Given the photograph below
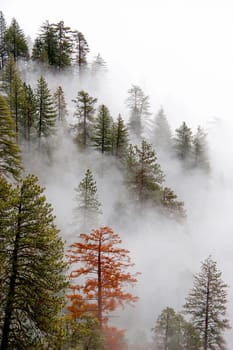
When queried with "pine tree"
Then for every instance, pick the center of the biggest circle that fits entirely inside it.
(32, 267)
(206, 305)
(102, 131)
(173, 207)
(28, 112)
(3, 53)
(84, 111)
(98, 65)
(161, 135)
(10, 159)
(144, 176)
(60, 104)
(15, 41)
(81, 49)
(45, 48)
(9, 71)
(46, 114)
(183, 143)
(88, 206)
(200, 151)
(173, 332)
(64, 44)
(138, 105)
(120, 138)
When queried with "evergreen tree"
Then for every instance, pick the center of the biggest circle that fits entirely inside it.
(14, 98)
(183, 143)
(81, 50)
(200, 152)
(28, 112)
(10, 160)
(45, 48)
(15, 41)
(102, 131)
(173, 207)
(88, 206)
(161, 135)
(144, 176)
(98, 65)
(32, 268)
(173, 332)
(3, 53)
(64, 44)
(206, 304)
(84, 111)
(138, 105)
(120, 138)
(60, 104)
(46, 114)
(9, 72)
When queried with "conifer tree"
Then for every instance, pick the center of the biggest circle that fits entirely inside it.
(88, 206)
(183, 143)
(173, 332)
(45, 48)
(98, 65)
(161, 135)
(10, 159)
(144, 176)
(64, 44)
(32, 268)
(3, 53)
(138, 104)
(28, 112)
(81, 49)
(84, 111)
(60, 104)
(15, 41)
(102, 131)
(120, 138)
(206, 305)
(174, 208)
(9, 71)
(200, 151)
(46, 114)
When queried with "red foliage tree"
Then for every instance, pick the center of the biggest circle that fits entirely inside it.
(115, 338)
(100, 274)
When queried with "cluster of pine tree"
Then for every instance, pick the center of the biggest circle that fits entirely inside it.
(33, 274)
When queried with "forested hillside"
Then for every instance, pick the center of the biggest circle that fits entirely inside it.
(101, 211)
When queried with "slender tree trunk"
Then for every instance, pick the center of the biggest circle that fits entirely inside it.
(11, 292)
(99, 285)
(207, 313)
(166, 333)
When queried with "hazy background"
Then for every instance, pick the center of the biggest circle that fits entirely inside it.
(181, 54)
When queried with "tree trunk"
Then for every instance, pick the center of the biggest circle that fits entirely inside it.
(11, 292)
(99, 285)
(207, 313)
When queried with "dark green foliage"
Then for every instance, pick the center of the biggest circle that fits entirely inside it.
(138, 105)
(120, 138)
(28, 113)
(206, 305)
(102, 131)
(64, 44)
(10, 160)
(15, 41)
(88, 206)
(173, 332)
(84, 111)
(9, 71)
(81, 49)
(183, 144)
(144, 176)
(173, 207)
(46, 114)
(32, 268)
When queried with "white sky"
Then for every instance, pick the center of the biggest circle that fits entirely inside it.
(179, 51)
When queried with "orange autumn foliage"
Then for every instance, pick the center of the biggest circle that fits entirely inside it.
(115, 338)
(100, 274)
